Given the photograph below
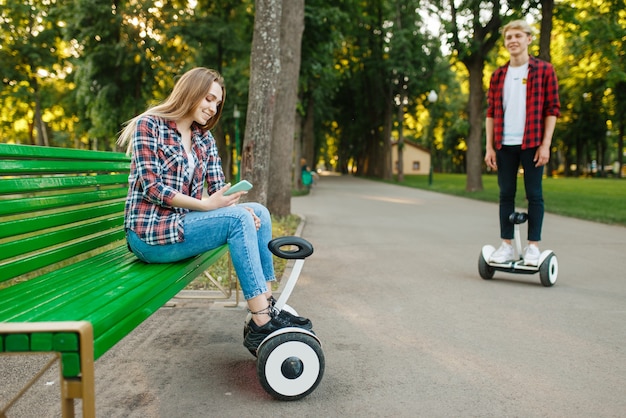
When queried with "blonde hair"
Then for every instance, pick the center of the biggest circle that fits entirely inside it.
(519, 24)
(186, 95)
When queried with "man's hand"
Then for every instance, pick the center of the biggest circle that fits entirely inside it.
(490, 158)
(542, 156)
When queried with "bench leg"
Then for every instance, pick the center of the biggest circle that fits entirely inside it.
(82, 387)
(88, 392)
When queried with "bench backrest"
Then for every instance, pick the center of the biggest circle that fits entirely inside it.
(57, 203)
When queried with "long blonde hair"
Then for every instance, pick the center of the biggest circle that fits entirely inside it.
(186, 95)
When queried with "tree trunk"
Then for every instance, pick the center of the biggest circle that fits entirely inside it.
(620, 150)
(474, 158)
(224, 150)
(297, 152)
(264, 71)
(400, 145)
(308, 134)
(387, 128)
(40, 126)
(292, 27)
(547, 10)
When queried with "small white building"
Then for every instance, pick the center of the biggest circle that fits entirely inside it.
(416, 158)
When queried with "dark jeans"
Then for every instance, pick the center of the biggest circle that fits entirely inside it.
(509, 159)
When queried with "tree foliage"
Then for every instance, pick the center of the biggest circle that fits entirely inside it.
(74, 72)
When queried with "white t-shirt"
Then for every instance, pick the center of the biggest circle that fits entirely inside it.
(191, 157)
(192, 162)
(514, 101)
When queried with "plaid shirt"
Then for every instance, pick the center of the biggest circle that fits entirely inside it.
(542, 100)
(159, 170)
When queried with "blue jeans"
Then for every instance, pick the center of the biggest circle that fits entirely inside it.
(508, 159)
(205, 231)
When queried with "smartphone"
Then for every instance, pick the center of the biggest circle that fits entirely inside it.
(242, 186)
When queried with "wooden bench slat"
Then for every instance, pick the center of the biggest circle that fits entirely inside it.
(102, 281)
(59, 237)
(107, 339)
(33, 204)
(46, 221)
(28, 264)
(40, 290)
(97, 280)
(33, 151)
(37, 167)
(25, 185)
(112, 304)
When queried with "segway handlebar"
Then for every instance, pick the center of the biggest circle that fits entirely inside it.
(304, 247)
(518, 217)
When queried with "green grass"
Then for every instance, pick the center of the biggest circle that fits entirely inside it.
(594, 199)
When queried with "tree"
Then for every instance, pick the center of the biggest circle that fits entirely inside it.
(473, 31)
(264, 72)
(320, 75)
(32, 58)
(545, 33)
(282, 158)
(592, 76)
(412, 63)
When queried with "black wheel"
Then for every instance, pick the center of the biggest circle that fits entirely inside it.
(548, 270)
(290, 365)
(484, 269)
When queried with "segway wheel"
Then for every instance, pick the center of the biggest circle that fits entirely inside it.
(290, 365)
(484, 269)
(548, 271)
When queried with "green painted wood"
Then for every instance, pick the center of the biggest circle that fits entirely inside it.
(41, 341)
(71, 364)
(28, 204)
(58, 237)
(107, 338)
(27, 225)
(32, 151)
(45, 258)
(25, 185)
(56, 204)
(35, 167)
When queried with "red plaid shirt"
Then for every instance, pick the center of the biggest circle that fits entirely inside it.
(542, 100)
(159, 170)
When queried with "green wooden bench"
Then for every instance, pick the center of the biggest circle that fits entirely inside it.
(68, 283)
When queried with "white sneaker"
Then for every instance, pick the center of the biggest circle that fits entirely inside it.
(531, 255)
(503, 254)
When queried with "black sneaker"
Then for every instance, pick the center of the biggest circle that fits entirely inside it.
(294, 320)
(256, 334)
(285, 315)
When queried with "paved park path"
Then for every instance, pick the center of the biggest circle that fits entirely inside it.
(409, 329)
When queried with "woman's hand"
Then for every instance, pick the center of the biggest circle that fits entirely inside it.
(215, 201)
(257, 220)
(218, 200)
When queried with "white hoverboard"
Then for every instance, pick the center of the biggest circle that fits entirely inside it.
(548, 266)
(290, 361)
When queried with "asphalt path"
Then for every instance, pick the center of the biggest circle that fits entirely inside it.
(409, 329)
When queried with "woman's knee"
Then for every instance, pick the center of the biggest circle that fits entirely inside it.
(261, 211)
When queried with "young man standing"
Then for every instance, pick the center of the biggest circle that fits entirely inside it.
(523, 105)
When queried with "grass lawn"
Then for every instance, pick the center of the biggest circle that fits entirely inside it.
(595, 199)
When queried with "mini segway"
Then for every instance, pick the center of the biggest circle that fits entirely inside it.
(548, 266)
(290, 361)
